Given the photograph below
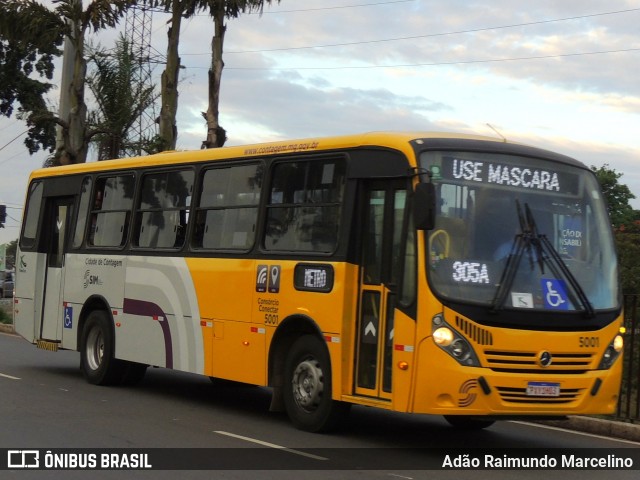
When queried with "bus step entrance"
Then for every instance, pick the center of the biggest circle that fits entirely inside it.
(48, 345)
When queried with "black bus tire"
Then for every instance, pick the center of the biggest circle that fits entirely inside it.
(468, 422)
(133, 373)
(97, 350)
(307, 388)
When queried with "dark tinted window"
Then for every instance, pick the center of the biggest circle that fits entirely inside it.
(163, 211)
(305, 205)
(111, 211)
(85, 203)
(32, 215)
(227, 214)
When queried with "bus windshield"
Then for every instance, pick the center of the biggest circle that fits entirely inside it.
(517, 232)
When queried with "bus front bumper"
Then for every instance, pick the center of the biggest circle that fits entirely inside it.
(451, 389)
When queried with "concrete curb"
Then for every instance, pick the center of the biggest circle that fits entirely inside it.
(598, 426)
(4, 328)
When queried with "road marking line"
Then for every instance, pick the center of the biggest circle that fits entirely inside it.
(586, 434)
(9, 377)
(271, 445)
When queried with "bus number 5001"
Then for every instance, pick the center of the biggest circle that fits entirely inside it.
(586, 342)
(270, 319)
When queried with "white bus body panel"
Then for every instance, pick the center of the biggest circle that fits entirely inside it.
(153, 305)
(30, 277)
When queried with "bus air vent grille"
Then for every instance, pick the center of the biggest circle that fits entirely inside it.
(527, 362)
(474, 332)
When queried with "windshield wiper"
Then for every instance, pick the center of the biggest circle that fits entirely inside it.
(557, 263)
(536, 243)
(535, 237)
(521, 242)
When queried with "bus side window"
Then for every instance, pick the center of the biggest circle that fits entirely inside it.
(304, 206)
(111, 213)
(163, 209)
(227, 214)
(81, 222)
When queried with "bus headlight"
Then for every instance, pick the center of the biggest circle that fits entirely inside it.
(611, 353)
(443, 336)
(618, 343)
(453, 343)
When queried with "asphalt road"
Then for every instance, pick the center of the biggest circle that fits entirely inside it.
(46, 404)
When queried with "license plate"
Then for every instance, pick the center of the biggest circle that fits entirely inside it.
(543, 389)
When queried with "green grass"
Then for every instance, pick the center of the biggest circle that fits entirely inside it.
(5, 317)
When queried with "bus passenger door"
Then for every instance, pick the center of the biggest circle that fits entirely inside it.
(56, 225)
(381, 231)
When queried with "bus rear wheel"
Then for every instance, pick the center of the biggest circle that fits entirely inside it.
(307, 391)
(97, 350)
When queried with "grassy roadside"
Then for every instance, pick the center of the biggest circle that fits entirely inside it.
(5, 313)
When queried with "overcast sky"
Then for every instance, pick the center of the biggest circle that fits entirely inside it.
(557, 74)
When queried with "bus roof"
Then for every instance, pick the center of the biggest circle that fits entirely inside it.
(396, 140)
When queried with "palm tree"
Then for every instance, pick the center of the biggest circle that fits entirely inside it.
(120, 101)
(168, 130)
(73, 21)
(219, 11)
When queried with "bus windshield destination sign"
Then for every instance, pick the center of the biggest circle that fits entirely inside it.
(506, 175)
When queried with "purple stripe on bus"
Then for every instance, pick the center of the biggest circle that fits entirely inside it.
(148, 309)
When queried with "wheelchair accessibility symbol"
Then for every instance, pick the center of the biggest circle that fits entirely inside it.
(68, 317)
(555, 294)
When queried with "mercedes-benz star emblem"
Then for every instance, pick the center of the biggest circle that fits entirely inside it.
(545, 358)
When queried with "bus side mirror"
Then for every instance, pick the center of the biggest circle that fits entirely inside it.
(424, 206)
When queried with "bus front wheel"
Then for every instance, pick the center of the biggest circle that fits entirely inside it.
(307, 391)
(97, 349)
(468, 422)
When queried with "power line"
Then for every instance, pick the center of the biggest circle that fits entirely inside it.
(17, 154)
(429, 35)
(334, 8)
(14, 219)
(438, 64)
(303, 10)
(13, 140)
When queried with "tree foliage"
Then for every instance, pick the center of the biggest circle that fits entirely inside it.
(617, 196)
(31, 36)
(26, 27)
(628, 246)
(120, 101)
(30, 40)
(219, 10)
(626, 223)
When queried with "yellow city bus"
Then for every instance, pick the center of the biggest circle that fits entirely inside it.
(415, 272)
